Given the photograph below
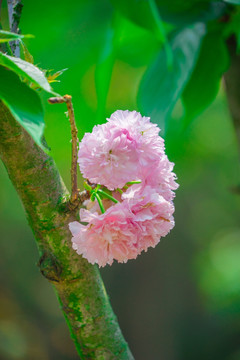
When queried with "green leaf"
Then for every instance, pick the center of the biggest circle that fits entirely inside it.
(162, 86)
(24, 104)
(181, 13)
(235, 2)
(136, 45)
(6, 36)
(138, 11)
(233, 27)
(26, 70)
(160, 31)
(203, 85)
(146, 14)
(104, 69)
(177, 12)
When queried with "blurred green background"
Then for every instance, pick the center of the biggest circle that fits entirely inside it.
(178, 301)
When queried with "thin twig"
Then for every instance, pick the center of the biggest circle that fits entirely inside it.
(17, 11)
(10, 13)
(14, 15)
(68, 100)
(74, 132)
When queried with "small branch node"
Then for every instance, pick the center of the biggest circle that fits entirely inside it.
(56, 100)
(84, 195)
(49, 267)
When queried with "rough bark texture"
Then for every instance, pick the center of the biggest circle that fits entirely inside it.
(14, 15)
(232, 83)
(78, 284)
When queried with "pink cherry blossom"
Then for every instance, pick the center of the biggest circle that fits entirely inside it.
(149, 145)
(160, 176)
(125, 229)
(112, 235)
(152, 212)
(107, 156)
(117, 151)
(126, 148)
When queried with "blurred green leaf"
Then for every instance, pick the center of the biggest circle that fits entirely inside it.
(136, 45)
(181, 13)
(233, 27)
(203, 85)
(176, 12)
(200, 12)
(104, 69)
(26, 70)
(235, 2)
(24, 104)
(161, 87)
(122, 39)
(145, 14)
(6, 36)
(161, 33)
(138, 11)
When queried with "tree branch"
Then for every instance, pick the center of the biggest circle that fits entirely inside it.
(14, 15)
(74, 200)
(10, 13)
(78, 284)
(74, 132)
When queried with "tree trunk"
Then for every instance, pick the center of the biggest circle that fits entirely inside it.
(78, 284)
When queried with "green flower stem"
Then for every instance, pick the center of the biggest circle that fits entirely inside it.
(133, 182)
(102, 192)
(87, 187)
(83, 299)
(119, 190)
(99, 202)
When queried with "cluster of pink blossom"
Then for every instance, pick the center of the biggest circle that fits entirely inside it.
(133, 209)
